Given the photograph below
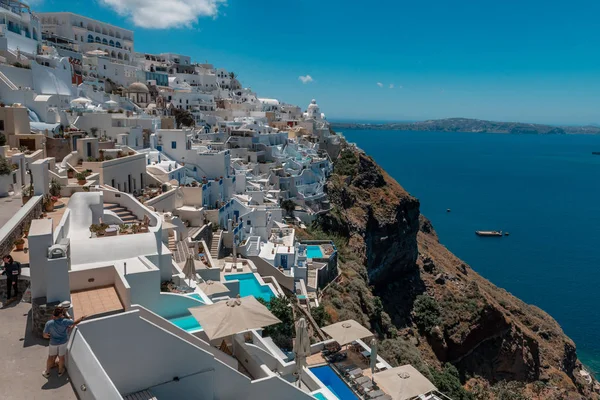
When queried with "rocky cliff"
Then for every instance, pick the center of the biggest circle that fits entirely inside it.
(428, 307)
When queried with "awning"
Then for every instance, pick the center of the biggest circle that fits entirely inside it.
(347, 331)
(229, 317)
(403, 383)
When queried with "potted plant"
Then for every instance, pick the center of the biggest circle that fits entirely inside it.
(123, 229)
(19, 244)
(48, 204)
(26, 229)
(55, 188)
(27, 193)
(70, 173)
(81, 178)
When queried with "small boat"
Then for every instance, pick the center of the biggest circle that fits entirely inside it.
(488, 233)
(506, 233)
(596, 153)
(448, 210)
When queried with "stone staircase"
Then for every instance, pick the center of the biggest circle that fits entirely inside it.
(172, 244)
(312, 279)
(122, 212)
(214, 246)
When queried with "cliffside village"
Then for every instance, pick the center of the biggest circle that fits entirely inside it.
(160, 199)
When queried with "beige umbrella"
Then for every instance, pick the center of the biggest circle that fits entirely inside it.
(189, 269)
(301, 347)
(403, 383)
(347, 331)
(211, 287)
(81, 100)
(227, 318)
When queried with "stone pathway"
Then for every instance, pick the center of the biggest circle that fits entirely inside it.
(23, 358)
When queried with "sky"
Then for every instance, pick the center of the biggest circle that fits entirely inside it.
(397, 60)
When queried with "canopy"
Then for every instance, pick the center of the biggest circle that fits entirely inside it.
(81, 100)
(403, 383)
(227, 318)
(301, 347)
(97, 53)
(347, 331)
(189, 269)
(211, 287)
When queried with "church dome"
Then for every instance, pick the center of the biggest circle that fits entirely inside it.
(138, 87)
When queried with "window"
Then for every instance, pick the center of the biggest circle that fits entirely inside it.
(173, 145)
(104, 66)
(90, 39)
(1, 124)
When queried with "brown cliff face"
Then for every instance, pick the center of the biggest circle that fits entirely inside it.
(392, 259)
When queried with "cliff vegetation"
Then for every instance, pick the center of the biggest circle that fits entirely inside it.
(472, 339)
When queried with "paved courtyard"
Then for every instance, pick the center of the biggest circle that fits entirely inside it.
(23, 357)
(9, 207)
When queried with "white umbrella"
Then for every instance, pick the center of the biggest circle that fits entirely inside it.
(97, 53)
(373, 357)
(81, 100)
(111, 103)
(301, 347)
(189, 269)
(227, 318)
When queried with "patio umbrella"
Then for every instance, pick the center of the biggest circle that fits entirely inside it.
(97, 53)
(373, 357)
(81, 100)
(347, 331)
(189, 269)
(301, 347)
(211, 287)
(111, 103)
(227, 318)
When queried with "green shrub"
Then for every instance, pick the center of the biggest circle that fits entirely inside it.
(5, 166)
(346, 163)
(426, 313)
(55, 187)
(448, 382)
(282, 333)
(81, 176)
(400, 351)
(2, 139)
(319, 315)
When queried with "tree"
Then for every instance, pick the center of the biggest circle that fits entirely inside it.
(2, 139)
(183, 117)
(288, 206)
(281, 333)
(320, 315)
(94, 131)
(427, 313)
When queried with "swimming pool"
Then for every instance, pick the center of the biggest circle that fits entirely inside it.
(196, 296)
(333, 382)
(314, 252)
(319, 396)
(249, 286)
(186, 322)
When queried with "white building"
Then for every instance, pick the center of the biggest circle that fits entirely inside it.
(90, 34)
(20, 30)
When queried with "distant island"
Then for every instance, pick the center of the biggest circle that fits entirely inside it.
(472, 125)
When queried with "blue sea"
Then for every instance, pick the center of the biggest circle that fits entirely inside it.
(544, 190)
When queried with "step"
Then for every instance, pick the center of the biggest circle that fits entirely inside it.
(122, 212)
(111, 205)
(130, 218)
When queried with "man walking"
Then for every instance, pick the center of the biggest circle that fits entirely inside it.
(57, 330)
(12, 270)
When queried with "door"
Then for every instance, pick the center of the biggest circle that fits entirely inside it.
(89, 149)
(28, 143)
(284, 261)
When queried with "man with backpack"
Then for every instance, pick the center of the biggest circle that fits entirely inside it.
(12, 270)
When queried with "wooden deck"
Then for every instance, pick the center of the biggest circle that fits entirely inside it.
(96, 301)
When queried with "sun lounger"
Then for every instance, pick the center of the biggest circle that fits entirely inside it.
(348, 368)
(366, 387)
(239, 268)
(365, 353)
(383, 397)
(362, 379)
(376, 393)
(228, 267)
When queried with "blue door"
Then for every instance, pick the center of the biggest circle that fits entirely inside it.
(284, 261)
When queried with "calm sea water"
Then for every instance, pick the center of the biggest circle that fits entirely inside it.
(544, 190)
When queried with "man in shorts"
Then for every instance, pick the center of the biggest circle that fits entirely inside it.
(57, 330)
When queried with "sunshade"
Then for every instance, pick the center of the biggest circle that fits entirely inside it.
(189, 269)
(81, 100)
(301, 347)
(373, 356)
(347, 331)
(227, 318)
(211, 287)
(97, 53)
(403, 383)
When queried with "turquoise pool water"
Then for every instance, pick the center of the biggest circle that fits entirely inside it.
(333, 382)
(196, 296)
(186, 322)
(314, 252)
(249, 286)
(319, 396)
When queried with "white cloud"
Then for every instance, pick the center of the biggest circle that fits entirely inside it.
(379, 84)
(161, 14)
(306, 79)
(391, 85)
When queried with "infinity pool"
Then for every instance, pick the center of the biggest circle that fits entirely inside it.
(333, 382)
(186, 322)
(249, 286)
(314, 252)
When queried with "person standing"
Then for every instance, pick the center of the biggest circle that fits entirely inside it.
(57, 330)
(12, 270)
